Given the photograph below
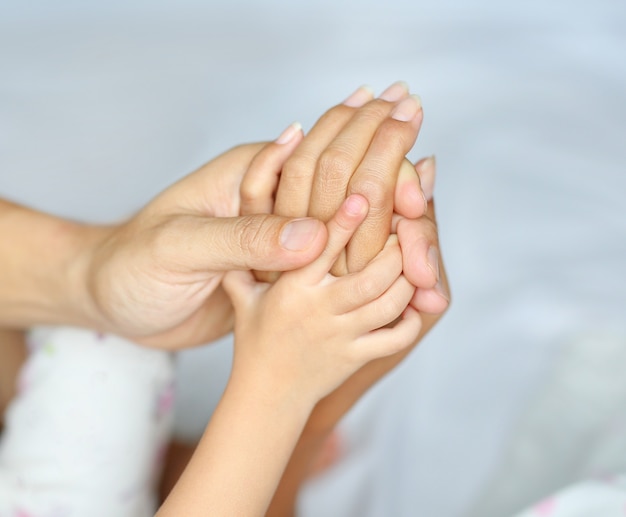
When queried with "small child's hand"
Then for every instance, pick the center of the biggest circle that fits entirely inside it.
(311, 330)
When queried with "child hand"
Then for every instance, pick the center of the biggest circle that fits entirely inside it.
(311, 330)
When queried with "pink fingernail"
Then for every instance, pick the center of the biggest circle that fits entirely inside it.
(397, 91)
(288, 134)
(434, 263)
(355, 205)
(441, 288)
(432, 259)
(299, 234)
(360, 97)
(407, 109)
(427, 172)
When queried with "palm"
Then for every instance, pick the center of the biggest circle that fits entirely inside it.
(150, 278)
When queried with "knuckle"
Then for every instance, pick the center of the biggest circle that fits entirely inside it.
(337, 114)
(248, 190)
(366, 288)
(391, 308)
(375, 189)
(375, 110)
(397, 140)
(298, 166)
(254, 190)
(252, 234)
(336, 165)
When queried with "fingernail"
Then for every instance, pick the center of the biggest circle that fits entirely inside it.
(355, 205)
(288, 134)
(299, 234)
(425, 200)
(441, 288)
(397, 91)
(407, 109)
(432, 260)
(427, 172)
(360, 97)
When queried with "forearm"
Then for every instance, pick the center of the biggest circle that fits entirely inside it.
(43, 262)
(240, 459)
(325, 417)
(13, 353)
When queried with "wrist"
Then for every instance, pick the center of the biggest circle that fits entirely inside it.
(43, 268)
(270, 389)
(83, 244)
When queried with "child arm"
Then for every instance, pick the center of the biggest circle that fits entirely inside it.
(295, 341)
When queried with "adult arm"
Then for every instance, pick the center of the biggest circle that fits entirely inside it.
(154, 278)
(13, 351)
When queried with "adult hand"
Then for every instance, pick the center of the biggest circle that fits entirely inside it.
(156, 278)
(359, 147)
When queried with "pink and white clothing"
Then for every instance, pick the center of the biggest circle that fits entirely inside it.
(89, 428)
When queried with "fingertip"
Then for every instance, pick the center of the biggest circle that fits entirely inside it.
(293, 130)
(426, 170)
(430, 301)
(356, 205)
(410, 201)
(395, 92)
(360, 97)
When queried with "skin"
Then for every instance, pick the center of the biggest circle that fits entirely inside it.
(331, 409)
(416, 235)
(13, 355)
(154, 279)
(295, 341)
(133, 280)
(412, 218)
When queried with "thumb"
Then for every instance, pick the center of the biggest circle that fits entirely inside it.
(262, 242)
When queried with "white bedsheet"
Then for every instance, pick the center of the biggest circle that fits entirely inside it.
(103, 104)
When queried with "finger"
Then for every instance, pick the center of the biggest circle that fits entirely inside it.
(432, 301)
(340, 228)
(355, 290)
(294, 190)
(292, 196)
(387, 307)
(342, 156)
(240, 287)
(196, 244)
(409, 199)
(259, 184)
(437, 299)
(427, 170)
(196, 192)
(389, 341)
(420, 251)
(376, 178)
(419, 238)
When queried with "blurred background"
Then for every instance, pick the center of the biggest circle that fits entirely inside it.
(520, 390)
